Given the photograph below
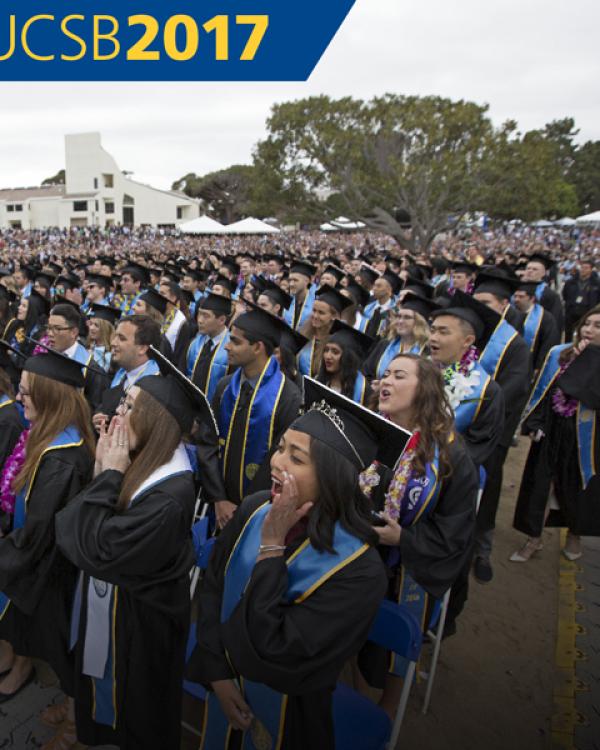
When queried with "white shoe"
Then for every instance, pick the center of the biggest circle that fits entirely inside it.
(572, 556)
(572, 549)
(529, 549)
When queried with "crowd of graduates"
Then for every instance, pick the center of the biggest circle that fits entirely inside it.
(340, 409)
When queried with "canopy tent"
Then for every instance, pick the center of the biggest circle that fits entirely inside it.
(202, 225)
(542, 223)
(593, 218)
(251, 226)
(566, 221)
(342, 224)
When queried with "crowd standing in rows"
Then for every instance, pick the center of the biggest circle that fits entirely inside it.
(342, 407)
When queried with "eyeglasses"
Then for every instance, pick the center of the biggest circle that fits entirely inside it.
(23, 393)
(58, 329)
(399, 316)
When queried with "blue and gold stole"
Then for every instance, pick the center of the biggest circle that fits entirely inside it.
(217, 367)
(126, 303)
(360, 388)
(532, 324)
(308, 569)
(493, 354)
(83, 357)
(368, 313)
(392, 350)
(539, 290)
(306, 357)
(586, 443)
(468, 409)
(102, 357)
(69, 438)
(545, 380)
(151, 368)
(258, 431)
(305, 311)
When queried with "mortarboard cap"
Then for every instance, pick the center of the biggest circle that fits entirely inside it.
(104, 312)
(260, 324)
(347, 337)
(335, 271)
(496, 281)
(542, 258)
(303, 267)
(417, 286)
(332, 297)
(152, 298)
(274, 292)
(580, 380)
(463, 266)
(137, 271)
(217, 303)
(359, 293)
(40, 302)
(225, 283)
(419, 304)
(55, 366)
(483, 319)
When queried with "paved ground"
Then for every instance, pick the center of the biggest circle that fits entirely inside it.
(522, 673)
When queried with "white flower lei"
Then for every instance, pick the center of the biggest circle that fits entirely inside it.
(460, 386)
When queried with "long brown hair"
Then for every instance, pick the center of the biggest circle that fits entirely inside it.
(569, 353)
(57, 407)
(157, 433)
(433, 415)
(6, 387)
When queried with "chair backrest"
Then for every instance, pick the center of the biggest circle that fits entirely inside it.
(398, 630)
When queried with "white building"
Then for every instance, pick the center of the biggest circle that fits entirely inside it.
(96, 193)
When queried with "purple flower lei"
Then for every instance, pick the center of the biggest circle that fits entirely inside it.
(563, 405)
(11, 468)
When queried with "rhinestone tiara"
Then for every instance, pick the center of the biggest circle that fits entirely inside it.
(329, 412)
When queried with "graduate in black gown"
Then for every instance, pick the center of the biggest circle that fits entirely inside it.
(427, 504)
(272, 637)
(36, 581)
(11, 420)
(129, 532)
(253, 408)
(539, 328)
(561, 420)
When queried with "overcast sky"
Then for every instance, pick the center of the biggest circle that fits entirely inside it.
(531, 60)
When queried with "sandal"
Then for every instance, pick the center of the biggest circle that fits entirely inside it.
(572, 549)
(65, 739)
(55, 714)
(527, 551)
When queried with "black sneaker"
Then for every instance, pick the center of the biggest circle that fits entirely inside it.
(482, 570)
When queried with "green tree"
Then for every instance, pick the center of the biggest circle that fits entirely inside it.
(585, 176)
(58, 179)
(421, 156)
(225, 193)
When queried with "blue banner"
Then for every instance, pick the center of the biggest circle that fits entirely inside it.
(222, 40)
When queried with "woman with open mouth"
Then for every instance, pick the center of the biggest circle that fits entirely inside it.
(279, 613)
(344, 353)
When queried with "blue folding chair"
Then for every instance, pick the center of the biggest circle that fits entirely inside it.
(359, 723)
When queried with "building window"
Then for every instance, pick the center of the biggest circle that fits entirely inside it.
(179, 212)
(109, 180)
(95, 183)
(109, 207)
(19, 207)
(10, 208)
(80, 206)
(97, 206)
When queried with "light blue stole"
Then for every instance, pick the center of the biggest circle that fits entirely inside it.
(531, 327)
(69, 438)
(305, 312)
(102, 357)
(539, 290)
(468, 409)
(151, 368)
(586, 443)
(308, 569)
(360, 388)
(545, 380)
(497, 346)
(306, 359)
(391, 351)
(218, 362)
(258, 431)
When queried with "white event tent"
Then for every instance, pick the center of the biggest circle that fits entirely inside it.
(342, 224)
(250, 226)
(593, 218)
(202, 225)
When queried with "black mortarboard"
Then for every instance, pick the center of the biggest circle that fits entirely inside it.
(217, 303)
(8, 293)
(359, 293)
(48, 278)
(55, 268)
(106, 260)
(463, 266)
(137, 271)
(483, 319)
(370, 273)
(528, 287)
(292, 340)
(274, 292)
(194, 273)
(60, 300)
(41, 302)
(179, 396)
(154, 299)
(56, 366)
(260, 324)
(393, 280)
(542, 258)
(68, 281)
(419, 287)
(497, 282)
(104, 312)
(5, 348)
(303, 267)
(427, 270)
(231, 265)
(580, 380)
(99, 279)
(335, 271)
(351, 430)
(347, 337)
(332, 297)
(225, 282)
(419, 304)
(270, 256)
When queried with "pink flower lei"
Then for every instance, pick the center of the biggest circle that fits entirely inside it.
(11, 468)
(563, 405)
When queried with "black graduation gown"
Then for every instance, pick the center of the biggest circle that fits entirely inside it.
(214, 485)
(11, 427)
(147, 552)
(483, 434)
(35, 576)
(551, 301)
(95, 385)
(295, 649)
(184, 336)
(554, 461)
(548, 336)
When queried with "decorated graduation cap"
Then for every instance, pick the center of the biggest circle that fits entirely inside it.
(274, 292)
(332, 297)
(56, 366)
(350, 338)
(156, 300)
(419, 304)
(217, 303)
(496, 281)
(261, 325)
(542, 258)
(104, 312)
(303, 267)
(482, 318)
(580, 380)
(464, 266)
(351, 430)
(179, 396)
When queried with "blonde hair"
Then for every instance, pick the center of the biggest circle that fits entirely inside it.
(420, 330)
(106, 332)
